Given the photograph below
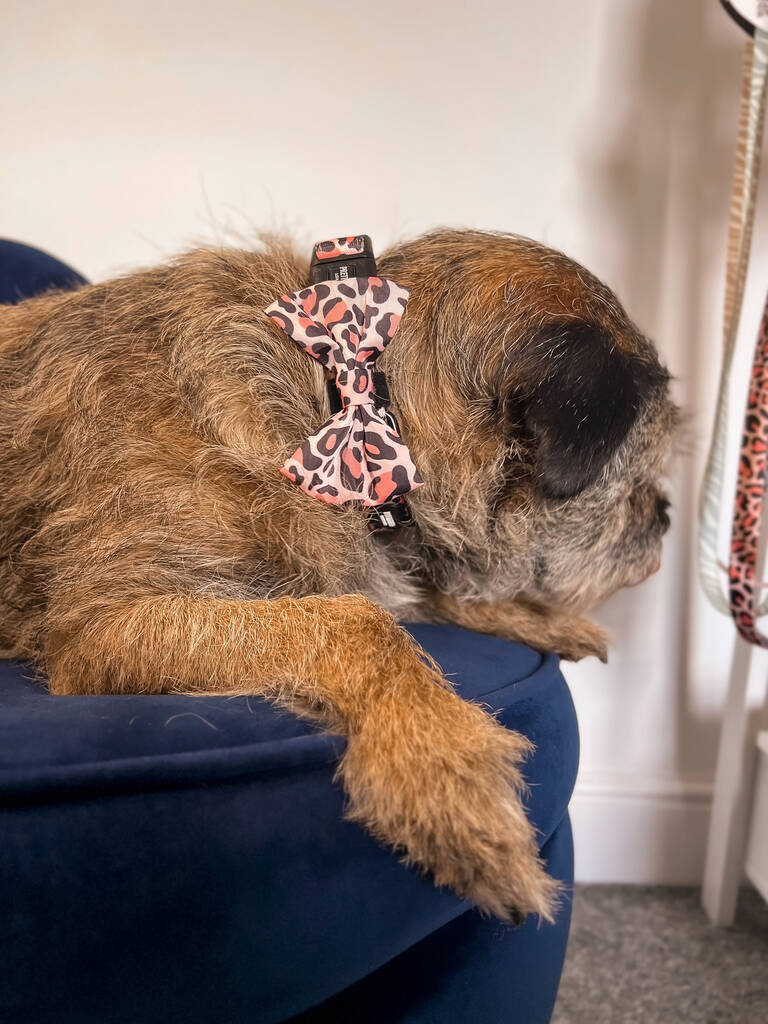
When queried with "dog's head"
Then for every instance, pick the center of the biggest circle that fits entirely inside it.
(538, 414)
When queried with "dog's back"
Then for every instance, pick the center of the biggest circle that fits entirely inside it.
(144, 413)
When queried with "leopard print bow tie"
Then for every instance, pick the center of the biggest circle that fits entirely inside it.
(356, 455)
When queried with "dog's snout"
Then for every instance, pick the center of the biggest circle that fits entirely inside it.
(662, 514)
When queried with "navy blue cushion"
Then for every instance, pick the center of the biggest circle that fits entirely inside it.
(26, 272)
(186, 858)
(169, 859)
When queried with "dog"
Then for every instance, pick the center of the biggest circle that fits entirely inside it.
(150, 543)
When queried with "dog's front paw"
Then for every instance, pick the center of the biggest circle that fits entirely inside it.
(581, 638)
(443, 785)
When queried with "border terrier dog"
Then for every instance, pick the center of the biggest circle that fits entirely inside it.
(150, 543)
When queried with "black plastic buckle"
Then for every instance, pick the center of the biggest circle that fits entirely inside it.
(340, 268)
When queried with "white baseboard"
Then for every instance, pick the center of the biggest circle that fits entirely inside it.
(640, 831)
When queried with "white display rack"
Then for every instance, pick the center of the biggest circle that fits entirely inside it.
(757, 840)
(738, 828)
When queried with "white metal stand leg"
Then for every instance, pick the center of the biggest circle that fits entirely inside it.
(734, 780)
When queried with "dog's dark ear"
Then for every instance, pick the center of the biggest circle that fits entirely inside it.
(583, 395)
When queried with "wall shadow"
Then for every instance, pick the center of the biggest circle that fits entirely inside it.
(659, 169)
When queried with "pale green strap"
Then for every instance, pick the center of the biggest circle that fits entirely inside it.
(741, 219)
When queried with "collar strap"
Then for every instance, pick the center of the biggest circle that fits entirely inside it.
(394, 513)
(345, 319)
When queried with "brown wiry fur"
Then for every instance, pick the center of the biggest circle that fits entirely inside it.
(149, 543)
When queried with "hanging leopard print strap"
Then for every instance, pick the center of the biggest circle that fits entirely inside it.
(750, 492)
(741, 217)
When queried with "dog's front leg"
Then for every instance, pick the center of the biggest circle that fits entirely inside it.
(432, 775)
(570, 636)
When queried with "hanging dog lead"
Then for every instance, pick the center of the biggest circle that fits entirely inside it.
(750, 492)
(754, 19)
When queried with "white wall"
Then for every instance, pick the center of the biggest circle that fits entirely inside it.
(606, 128)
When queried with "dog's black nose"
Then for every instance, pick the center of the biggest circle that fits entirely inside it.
(662, 504)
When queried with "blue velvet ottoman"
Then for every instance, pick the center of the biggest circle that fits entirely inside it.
(179, 859)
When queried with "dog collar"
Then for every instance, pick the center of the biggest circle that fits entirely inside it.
(345, 319)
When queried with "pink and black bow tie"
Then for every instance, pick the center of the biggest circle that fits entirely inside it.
(357, 455)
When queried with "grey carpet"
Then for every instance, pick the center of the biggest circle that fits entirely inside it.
(648, 954)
